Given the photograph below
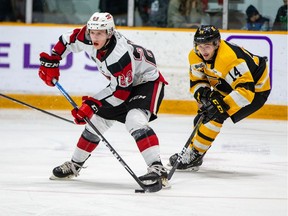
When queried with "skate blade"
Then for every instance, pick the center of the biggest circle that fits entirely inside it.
(190, 169)
(53, 177)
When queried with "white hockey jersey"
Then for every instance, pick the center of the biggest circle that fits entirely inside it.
(125, 64)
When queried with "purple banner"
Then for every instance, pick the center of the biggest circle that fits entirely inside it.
(4, 54)
(65, 64)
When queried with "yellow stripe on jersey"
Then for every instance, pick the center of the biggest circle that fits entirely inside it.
(236, 100)
(263, 83)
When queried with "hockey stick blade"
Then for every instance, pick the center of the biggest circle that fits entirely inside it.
(139, 191)
(184, 149)
(154, 187)
(150, 188)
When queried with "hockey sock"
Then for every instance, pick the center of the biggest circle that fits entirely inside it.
(148, 144)
(86, 144)
(206, 134)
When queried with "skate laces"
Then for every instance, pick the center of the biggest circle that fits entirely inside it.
(157, 168)
(69, 166)
(188, 156)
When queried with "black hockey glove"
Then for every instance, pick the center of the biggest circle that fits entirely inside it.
(202, 95)
(214, 108)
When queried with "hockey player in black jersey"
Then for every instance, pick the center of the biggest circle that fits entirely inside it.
(227, 81)
(133, 96)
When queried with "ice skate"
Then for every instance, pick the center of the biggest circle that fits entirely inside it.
(191, 160)
(67, 170)
(155, 172)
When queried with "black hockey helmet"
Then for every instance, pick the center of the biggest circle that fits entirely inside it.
(206, 34)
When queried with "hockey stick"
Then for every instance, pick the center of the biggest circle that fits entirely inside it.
(180, 155)
(154, 187)
(33, 107)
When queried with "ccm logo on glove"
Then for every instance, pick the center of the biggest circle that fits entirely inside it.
(50, 64)
(218, 105)
(49, 68)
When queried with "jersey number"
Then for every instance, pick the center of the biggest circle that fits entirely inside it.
(140, 51)
(235, 74)
(126, 80)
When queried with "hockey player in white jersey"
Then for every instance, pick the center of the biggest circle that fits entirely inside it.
(132, 97)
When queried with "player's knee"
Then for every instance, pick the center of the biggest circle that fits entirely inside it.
(142, 133)
(136, 119)
(220, 119)
(90, 136)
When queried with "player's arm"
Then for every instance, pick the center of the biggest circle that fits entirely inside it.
(199, 84)
(71, 41)
(240, 79)
(49, 63)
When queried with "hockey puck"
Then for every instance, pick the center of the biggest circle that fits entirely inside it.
(139, 191)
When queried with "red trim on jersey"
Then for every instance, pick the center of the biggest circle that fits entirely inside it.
(162, 79)
(100, 54)
(78, 33)
(81, 34)
(59, 48)
(121, 94)
(147, 142)
(154, 99)
(86, 145)
(74, 35)
(124, 71)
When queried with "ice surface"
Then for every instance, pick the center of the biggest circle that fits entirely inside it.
(243, 174)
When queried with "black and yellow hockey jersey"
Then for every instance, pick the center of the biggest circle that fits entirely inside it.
(235, 72)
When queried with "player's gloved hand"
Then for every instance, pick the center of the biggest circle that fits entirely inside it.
(215, 108)
(89, 107)
(49, 68)
(202, 95)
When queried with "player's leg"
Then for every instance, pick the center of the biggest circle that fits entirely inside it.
(147, 143)
(202, 141)
(208, 132)
(86, 144)
(142, 109)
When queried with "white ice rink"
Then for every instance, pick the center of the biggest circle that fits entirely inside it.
(243, 174)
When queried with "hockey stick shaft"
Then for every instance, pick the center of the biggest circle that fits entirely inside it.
(35, 108)
(112, 150)
(180, 155)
